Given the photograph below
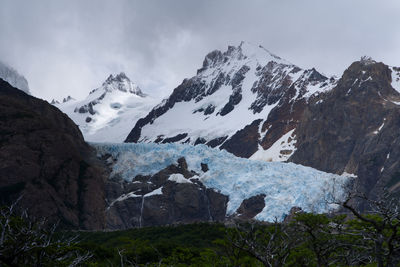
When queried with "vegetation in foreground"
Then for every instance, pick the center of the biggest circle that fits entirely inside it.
(306, 240)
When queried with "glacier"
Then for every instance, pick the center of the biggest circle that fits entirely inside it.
(285, 185)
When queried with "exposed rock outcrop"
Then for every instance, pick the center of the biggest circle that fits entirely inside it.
(355, 128)
(44, 159)
(173, 195)
(251, 207)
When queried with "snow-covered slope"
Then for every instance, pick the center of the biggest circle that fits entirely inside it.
(108, 111)
(281, 150)
(285, 185)
(11, 76)
(244, 86)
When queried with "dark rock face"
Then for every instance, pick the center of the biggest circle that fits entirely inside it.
(175, 138)
(251, 207)
(204, 167)
(244, 143)
(158, 200)
(45, 159)
(200, 141)
(355, 128)
(216, 142)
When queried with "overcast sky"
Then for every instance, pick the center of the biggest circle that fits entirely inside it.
(70, 47)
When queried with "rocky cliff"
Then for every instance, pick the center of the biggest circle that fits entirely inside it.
(355, 128)
(44, 159)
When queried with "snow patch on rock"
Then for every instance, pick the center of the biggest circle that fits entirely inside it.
(281, 150)
(179, 178)
(158, 191)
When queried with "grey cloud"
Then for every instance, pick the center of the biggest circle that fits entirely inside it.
(70, 47)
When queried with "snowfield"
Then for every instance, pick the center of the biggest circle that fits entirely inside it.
(285, 185)
(114, 117)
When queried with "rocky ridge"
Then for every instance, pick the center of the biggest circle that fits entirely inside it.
(355, 128)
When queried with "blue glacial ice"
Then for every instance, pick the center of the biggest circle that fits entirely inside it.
(285, 184)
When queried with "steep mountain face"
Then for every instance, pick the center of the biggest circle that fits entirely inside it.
(44, 159)
(355, 128)
(11, 76)
(243, 100)
(107, 113)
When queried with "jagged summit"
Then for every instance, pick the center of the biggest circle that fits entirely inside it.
(68, 98)
(245, 51)
(65, 100)
(120, 82)
(367, 60)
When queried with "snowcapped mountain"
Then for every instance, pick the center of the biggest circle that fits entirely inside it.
(245, 100)
(11, 76)
(108, 111)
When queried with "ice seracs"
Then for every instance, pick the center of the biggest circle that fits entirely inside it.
(285, 185)
(108, 111)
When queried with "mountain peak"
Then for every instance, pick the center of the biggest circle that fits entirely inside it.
(367, 60)
(65, 100)
(244, 51)
(252, 50)
(117, 78)
(122, 83)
